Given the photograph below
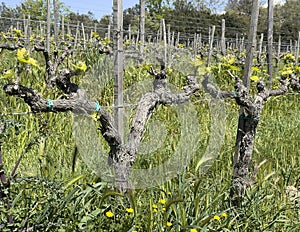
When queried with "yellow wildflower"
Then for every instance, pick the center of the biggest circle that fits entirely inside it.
(255, 69)
(193, 230)
(109, 214)
(289, 58)
(224, 215)
(169, 224)
(81, 66)
(234, 68)
(254, 78)
(129, 210)
(216, 217)
(24, 57)
(162, 201)
(287, 71)
(164, 209)
(155, 207)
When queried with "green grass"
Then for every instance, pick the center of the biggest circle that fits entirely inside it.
(57, 191)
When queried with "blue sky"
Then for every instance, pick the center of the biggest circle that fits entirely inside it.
(98, 7)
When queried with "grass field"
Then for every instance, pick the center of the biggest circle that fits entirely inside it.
(54, 190)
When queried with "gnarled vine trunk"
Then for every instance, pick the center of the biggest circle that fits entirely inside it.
(248, 121)
(121, 156)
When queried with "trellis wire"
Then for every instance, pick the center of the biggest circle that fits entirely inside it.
(30, 112)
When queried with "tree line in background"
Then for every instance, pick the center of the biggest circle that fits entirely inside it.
(187, 16)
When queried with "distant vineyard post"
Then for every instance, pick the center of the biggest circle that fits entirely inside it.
(55, 14)
(270, 40)
(118, 65)
(48, 25)
(223, 45)
(142, 27)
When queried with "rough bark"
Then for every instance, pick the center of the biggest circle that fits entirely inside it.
(11, 47)
(249, 116)
(52, 65)
(123, 157)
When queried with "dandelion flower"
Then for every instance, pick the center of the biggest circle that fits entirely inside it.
(154, 206)
(287, 71)
(254, 78)
(224, 215)
(155, 210)
(169, 224)
(129, 210)
(193, 230)
(216, 217)
(109, 214)
(289, 58)
(234, 68)
(162, 201)
(255, 69)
